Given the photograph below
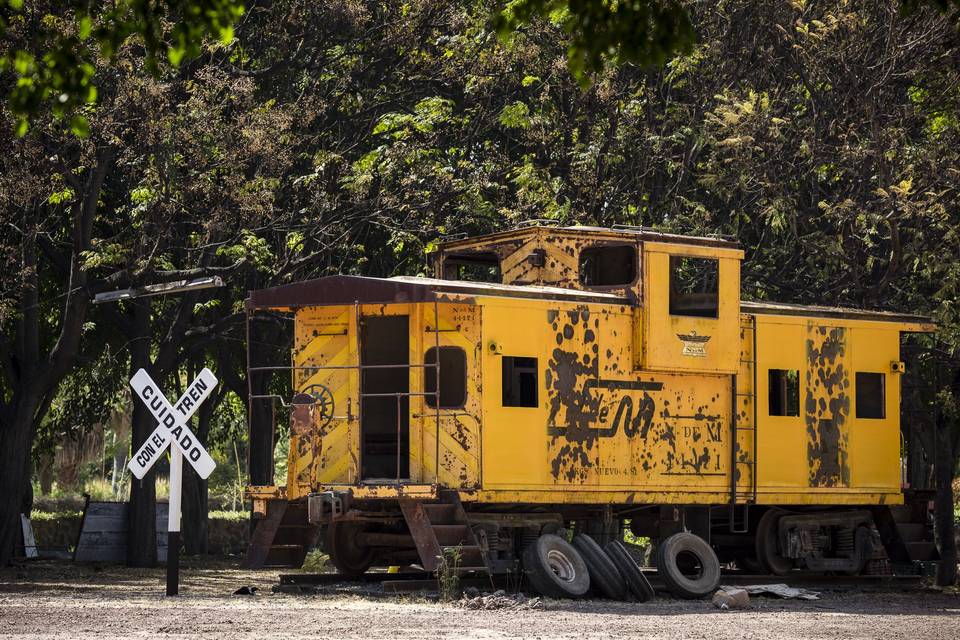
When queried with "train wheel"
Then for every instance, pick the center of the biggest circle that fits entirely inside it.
(603, 572)
(688, 565)
(768, 552)
(348, 556)
(555, 569)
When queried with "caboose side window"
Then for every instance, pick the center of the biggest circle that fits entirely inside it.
(608, 266)
(519, 381)
(453, 377)
(472, 267)
(871, 395)
(784, 392)
(694, 286)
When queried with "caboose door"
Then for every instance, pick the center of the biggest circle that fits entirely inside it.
(445, 444)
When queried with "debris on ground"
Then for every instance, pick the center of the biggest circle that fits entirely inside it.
(731, 598)
(779, 590)
(473, 599)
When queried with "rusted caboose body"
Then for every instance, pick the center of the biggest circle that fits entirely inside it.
(554, 378)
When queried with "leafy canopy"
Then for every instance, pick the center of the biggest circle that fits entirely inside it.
(59, 71)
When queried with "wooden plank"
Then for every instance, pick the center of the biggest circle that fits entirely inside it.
(103, 536)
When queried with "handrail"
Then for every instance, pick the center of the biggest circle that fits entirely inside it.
(312, 367)
(360, 368)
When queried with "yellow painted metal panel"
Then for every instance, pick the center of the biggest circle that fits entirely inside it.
(875, 443)
(459, 427)
(667, 495)
(598, 423)
(686, 343)
(781, 440)
(323, 338)
(514, 444)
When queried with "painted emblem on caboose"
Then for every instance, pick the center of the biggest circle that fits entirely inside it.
(693, 344)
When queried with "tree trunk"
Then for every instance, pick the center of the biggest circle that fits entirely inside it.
(15, 441)
(40, 373)
(142, 533)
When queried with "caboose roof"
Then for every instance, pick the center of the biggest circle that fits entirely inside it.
(333, 290)
(844, 313)
(338, 290)
(620, 232)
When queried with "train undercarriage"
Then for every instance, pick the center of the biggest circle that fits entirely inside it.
(546, 543)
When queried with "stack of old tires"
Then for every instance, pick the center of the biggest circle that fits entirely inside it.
(559, 569)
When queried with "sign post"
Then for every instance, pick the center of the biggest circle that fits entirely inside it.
(172, 428)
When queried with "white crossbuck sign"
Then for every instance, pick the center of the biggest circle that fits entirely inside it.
(173, 423)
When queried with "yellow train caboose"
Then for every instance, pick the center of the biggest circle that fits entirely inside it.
(551, 382)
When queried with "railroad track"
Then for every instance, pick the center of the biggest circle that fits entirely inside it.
(379, 583)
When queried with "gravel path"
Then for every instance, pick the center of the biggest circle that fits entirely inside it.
(61, 600)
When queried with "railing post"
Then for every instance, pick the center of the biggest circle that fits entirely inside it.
(356, 327)
(436, 386)
(399, 426)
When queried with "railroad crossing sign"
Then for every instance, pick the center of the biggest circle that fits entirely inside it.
(172, 428)
(173, 423)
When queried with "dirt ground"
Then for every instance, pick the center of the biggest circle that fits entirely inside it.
(62, 600)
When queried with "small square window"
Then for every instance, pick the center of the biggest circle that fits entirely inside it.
(694, 286)
(453, 377)
(519, 381)
(475, 267)
(608, 266)
(871, 395)
(784, 392)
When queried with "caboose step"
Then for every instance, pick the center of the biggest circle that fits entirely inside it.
(440, 512)
(450, 535)
(440, 530)
(281, 539)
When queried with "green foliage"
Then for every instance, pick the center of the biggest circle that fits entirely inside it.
(314, 562)
(448, 573)
(639, 31)
(515, 115)
(351, 138)
(59, 71)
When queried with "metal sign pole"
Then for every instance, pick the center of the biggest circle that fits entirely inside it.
(173, 522)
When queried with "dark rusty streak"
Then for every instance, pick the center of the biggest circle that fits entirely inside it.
(580, 407)
(826, 407)
(460, 435)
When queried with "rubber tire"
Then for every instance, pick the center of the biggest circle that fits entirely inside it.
(603, 572)
(766, 544)
(678, 584)
(637, 582)
(349, 558)
(542, 578)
